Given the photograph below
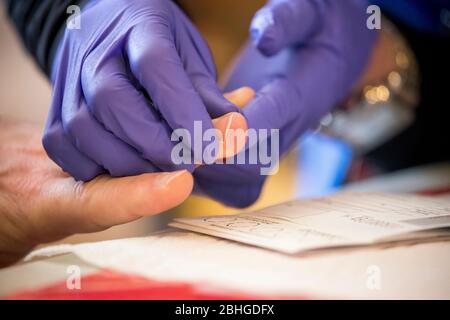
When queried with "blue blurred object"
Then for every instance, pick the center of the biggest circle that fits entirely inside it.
(323, 163)
(423, 15)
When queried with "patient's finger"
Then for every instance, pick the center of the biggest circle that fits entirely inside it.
(233, 126)
(241, 96)
(233, 131)
(105, 202)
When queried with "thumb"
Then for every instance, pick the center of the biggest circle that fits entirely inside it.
(105, 202)
(283, 23)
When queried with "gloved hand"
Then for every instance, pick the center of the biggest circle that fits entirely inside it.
(102, 118)
(327, 47)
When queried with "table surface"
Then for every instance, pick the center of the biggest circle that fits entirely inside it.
(407, 271)
(410, 272)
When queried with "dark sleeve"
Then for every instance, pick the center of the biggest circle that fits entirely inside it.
(38, 23)
(430, 16)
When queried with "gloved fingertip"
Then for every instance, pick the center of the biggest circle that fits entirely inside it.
(268, 43)
(264, 33)
(216, 104)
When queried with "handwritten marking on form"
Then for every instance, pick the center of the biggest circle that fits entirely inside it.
(341, 220)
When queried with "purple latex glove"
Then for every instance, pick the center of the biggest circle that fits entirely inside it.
(101, 117)
(327, 47)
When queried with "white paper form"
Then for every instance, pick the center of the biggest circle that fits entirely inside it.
(341, 220)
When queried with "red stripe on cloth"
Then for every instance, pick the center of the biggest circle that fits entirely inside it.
(111, 285)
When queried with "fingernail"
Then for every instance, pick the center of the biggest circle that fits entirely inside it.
(166, 178)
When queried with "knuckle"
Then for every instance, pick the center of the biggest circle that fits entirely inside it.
(55, 144)
(97, 91)
(88, 70)
(100, 96)
(153, 54)
(77, 123)
(53, 141)
(52, 138)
